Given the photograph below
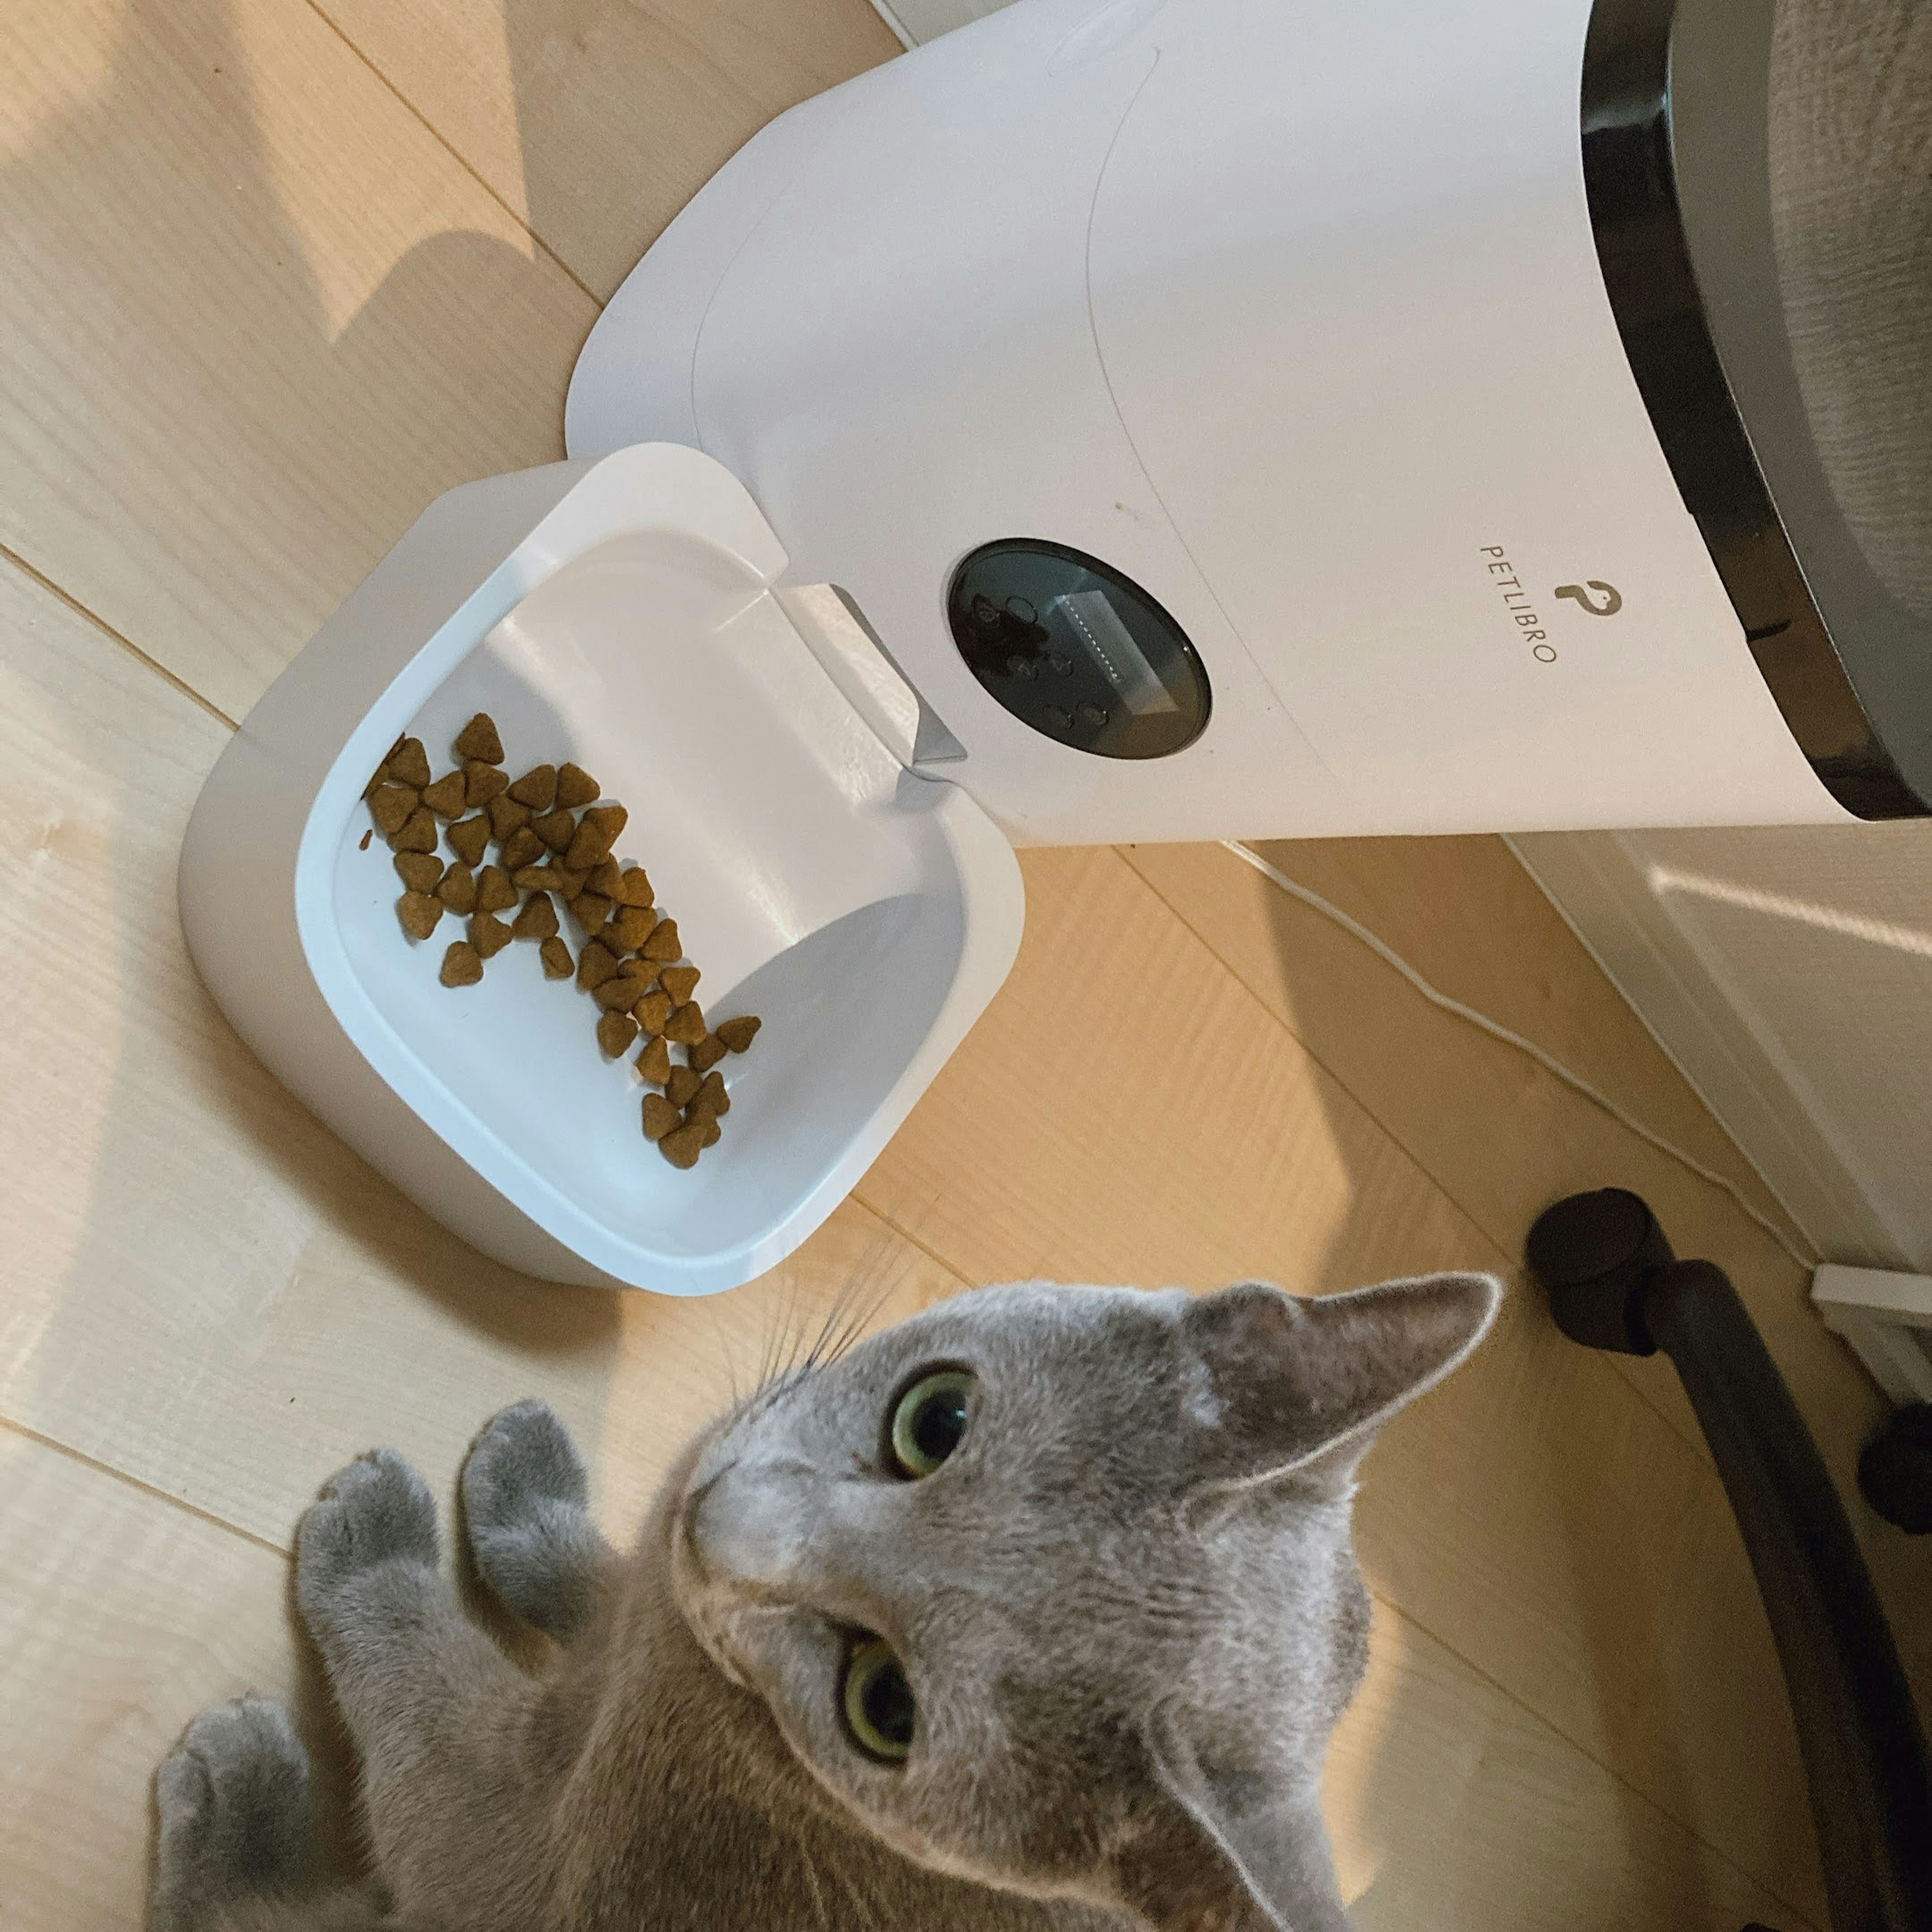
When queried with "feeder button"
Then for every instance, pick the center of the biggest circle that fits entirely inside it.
(1061, 720)
(1094, 715)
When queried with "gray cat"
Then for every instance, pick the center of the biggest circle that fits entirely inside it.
(1032, 1614)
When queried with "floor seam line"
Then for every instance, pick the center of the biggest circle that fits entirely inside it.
(121, 638)
(141, 1486)
(456, 155)
(932, 1253)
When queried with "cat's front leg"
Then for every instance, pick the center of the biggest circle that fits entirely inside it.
(525, 1506)
(232, 1804)
(433, 1706)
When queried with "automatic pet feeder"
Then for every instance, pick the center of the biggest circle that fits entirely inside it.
(1218, 417)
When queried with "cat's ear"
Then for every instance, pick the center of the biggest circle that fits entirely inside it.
(1277, 1382)
(1225, 1853)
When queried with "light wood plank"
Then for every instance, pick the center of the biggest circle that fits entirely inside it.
(1126, 1110)
(255, 316)
(1502, 1136)
(597, 122)
(120, 1617)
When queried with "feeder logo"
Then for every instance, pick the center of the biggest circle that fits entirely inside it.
(1608, 600)
(1598, 598)
(1516, 602)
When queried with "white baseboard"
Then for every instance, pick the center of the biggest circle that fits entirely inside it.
(1602, 888)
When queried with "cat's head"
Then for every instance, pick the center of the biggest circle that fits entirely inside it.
(1053, 1587)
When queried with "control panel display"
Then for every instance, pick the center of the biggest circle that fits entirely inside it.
(1073, 649)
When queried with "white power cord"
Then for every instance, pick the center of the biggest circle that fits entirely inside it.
(1548, 1062)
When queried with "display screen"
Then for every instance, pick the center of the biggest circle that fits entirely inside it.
(1076, 650)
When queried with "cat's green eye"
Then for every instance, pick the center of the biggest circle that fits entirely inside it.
(929, 1420)
(880, 1711)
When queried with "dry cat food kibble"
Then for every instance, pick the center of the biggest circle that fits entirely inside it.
(420, 872)
(469, 839)
(555, 838)
(461, 965)
(419, 913)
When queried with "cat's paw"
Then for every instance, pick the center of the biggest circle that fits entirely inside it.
(376, 1513)
(232, 1799)
(526, 1504)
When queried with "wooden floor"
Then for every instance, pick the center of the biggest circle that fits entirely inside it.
(276, 273)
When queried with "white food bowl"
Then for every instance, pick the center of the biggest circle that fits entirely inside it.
(620, 612)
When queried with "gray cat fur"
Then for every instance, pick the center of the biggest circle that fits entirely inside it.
(1128, 1605)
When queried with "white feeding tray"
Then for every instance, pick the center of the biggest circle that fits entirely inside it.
(618, 613)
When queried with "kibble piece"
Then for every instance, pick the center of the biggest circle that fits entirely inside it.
(587, 846)
(381, 778)
(556, 829)
(447, 797)
(481, 783)
(739, 1033)
(595, 964)
(469, 839)
(615, 1032)
(565, 883)
(537, 788)
(488, 934)
(538, 920)
(597, 832)
(664, 943)
(418, 833)
(362, 844)
(713, 1132)
(494, 892)
(532, 879)
(707, 1053)
(478, 739)
(390, 806)
(633, 887)
(521, 849)
(409, 764)
(575, 787)
(621, 992)
(710, 1098)
(458, 890)
(686, 1026)
(418, 870)
(682, 1147)
(606, 877)
(682, 1085)
(654, 1062)
(590, 912)
(630, 926)
(661, 1117)
(652, 1011)
(556, 958)
(419, 913)
(679, 982)
(506, 815)
(462, 965)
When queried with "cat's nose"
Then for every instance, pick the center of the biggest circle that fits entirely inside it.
(750, 1525)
